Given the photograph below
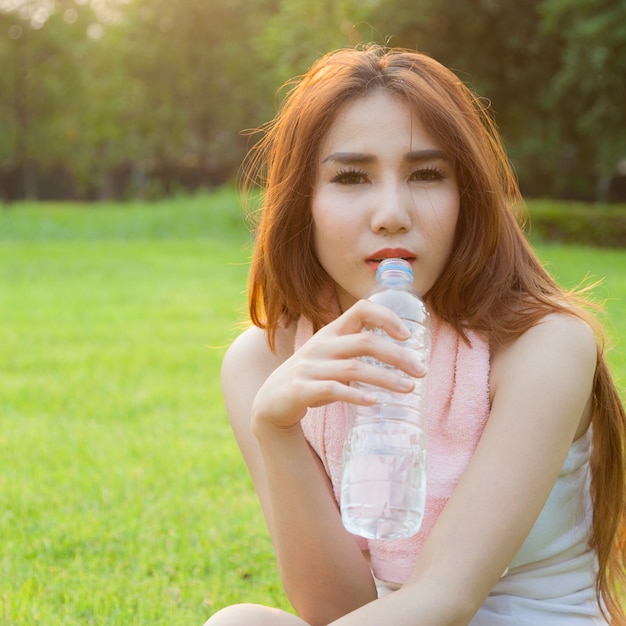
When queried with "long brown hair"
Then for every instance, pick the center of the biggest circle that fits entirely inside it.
(492, 282)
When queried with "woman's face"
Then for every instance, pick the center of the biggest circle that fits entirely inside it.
(383, 188)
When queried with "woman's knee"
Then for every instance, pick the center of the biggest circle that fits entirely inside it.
(253, 615)
(234, 615)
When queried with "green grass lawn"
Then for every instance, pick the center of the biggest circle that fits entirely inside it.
(123, 498)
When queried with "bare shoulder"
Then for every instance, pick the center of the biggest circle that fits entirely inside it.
(250, 346)
(249, 360)
(553, 359)
(565, 336)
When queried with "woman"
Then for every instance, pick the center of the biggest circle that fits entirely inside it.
(379, 153)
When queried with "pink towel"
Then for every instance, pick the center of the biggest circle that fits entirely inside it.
(457, 413)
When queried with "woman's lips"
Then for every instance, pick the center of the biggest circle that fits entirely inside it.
(389, 253)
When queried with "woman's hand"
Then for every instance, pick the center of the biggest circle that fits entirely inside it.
(321, 371)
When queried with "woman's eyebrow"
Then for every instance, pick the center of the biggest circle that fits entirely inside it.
(349, 158)
(362, 158)
(430, 154)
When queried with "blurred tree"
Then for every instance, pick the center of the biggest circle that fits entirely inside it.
(35, 78)
(589, 86)
(102, 132)
(200, 82)
(46, 51)
(11, 88)
(120, 94)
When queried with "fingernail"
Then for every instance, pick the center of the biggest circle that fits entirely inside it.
(419, 368)
(407, 383)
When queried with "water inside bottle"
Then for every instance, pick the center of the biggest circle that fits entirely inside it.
(387, 501)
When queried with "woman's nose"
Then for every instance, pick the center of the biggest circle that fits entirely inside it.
(392, 209)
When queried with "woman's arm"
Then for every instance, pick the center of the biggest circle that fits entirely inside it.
(541, 401)
(266, 394)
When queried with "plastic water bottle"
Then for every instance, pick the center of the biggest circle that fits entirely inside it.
(383, 489)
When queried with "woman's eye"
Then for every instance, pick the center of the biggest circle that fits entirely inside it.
(349, 177)
(427, 174)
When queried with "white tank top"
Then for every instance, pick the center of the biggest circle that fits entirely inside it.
(551, 580)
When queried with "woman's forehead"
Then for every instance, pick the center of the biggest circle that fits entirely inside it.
(362, 124)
